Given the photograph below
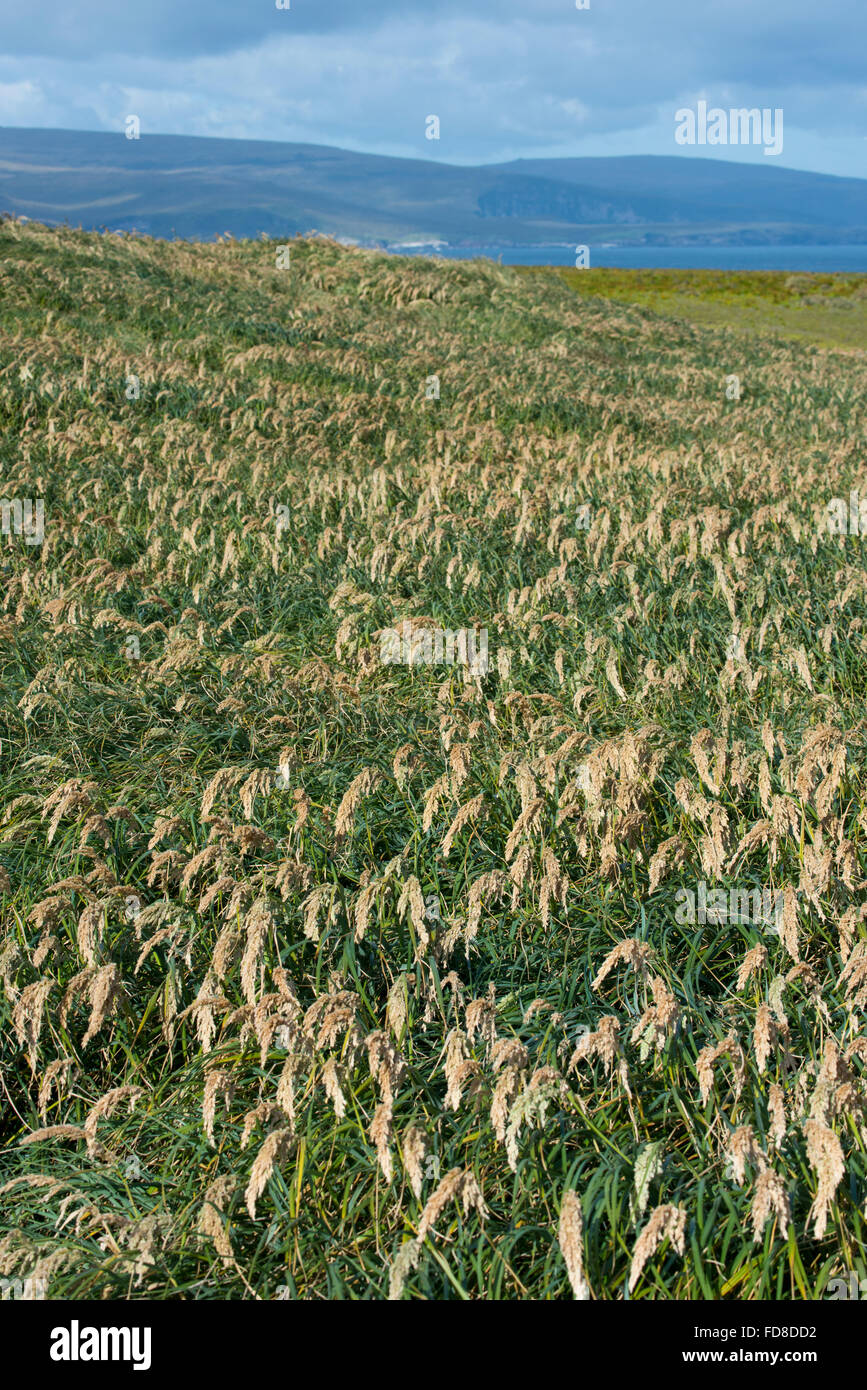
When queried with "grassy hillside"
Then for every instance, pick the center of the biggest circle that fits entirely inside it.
(330, 978)
(822, 309)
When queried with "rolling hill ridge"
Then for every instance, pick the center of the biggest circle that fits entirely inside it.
(193, 187)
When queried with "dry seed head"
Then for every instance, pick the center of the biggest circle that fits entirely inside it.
(404, 765)
(47, 913)
(456, 1053)
(71, 796)
(411, 900)
(90, 925)
(404, 1262)
(571, 1238)
(396, 1005)
(742, 1150)
(203, 860)
(207, 1003)
(789, 922)
(331, 1086)
(330, 1015)
(37, 1136)
(380, 1135)
(27, 1016)
(43, 1271)
(467, 815)
(699, 748)
(520, 872)
(43, 1180)
(659, 1021)
(364, 907)
(636, 954)
(104, 991)
(459, 768)
(221, 782)
(272, 1153)
(386, 1064)
(834, 1074)
(769, 1199)
(258, 783)
(509, 1085)
(361, 786)
(481, 1018)
(465, 1074)
(432, 798)
(764, 1036)
(292, 875)
(258, 923)
(143, 1239)
(664, 1221)
(602, 1043)
(286, 1085)
(219, 1086)
(323, 896)
(756, 959)
(854, 977)
(107, 1104)
(414, 1150)
(273, 1024)
(669, 853)
(509, 1052)
(825, 1154)
(553, 887)
(458, 1183)
(527, 822)
(56, 1077)
(712, 847)
(210, 1222)
(534, 1007)
(709, 1056)
(526, 784)
(493, 883)
(261, 1116)
(768, 742)
(165, 934)
(613, 676)
(531, 1105)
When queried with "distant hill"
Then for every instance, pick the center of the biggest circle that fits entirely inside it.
(185, 186)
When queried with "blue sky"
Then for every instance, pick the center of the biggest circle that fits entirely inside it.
(507, 78)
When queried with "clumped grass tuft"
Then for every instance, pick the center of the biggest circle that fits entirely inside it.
(328, 978)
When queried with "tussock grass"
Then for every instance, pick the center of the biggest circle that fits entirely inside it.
(323, 978)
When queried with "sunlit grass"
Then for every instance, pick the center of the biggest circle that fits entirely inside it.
(276, 953)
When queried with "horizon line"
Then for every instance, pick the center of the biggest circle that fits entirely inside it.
(418, 159)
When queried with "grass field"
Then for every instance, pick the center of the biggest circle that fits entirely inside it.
(821, 309)
(331, 978)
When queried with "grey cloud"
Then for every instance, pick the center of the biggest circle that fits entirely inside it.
(507, 77)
